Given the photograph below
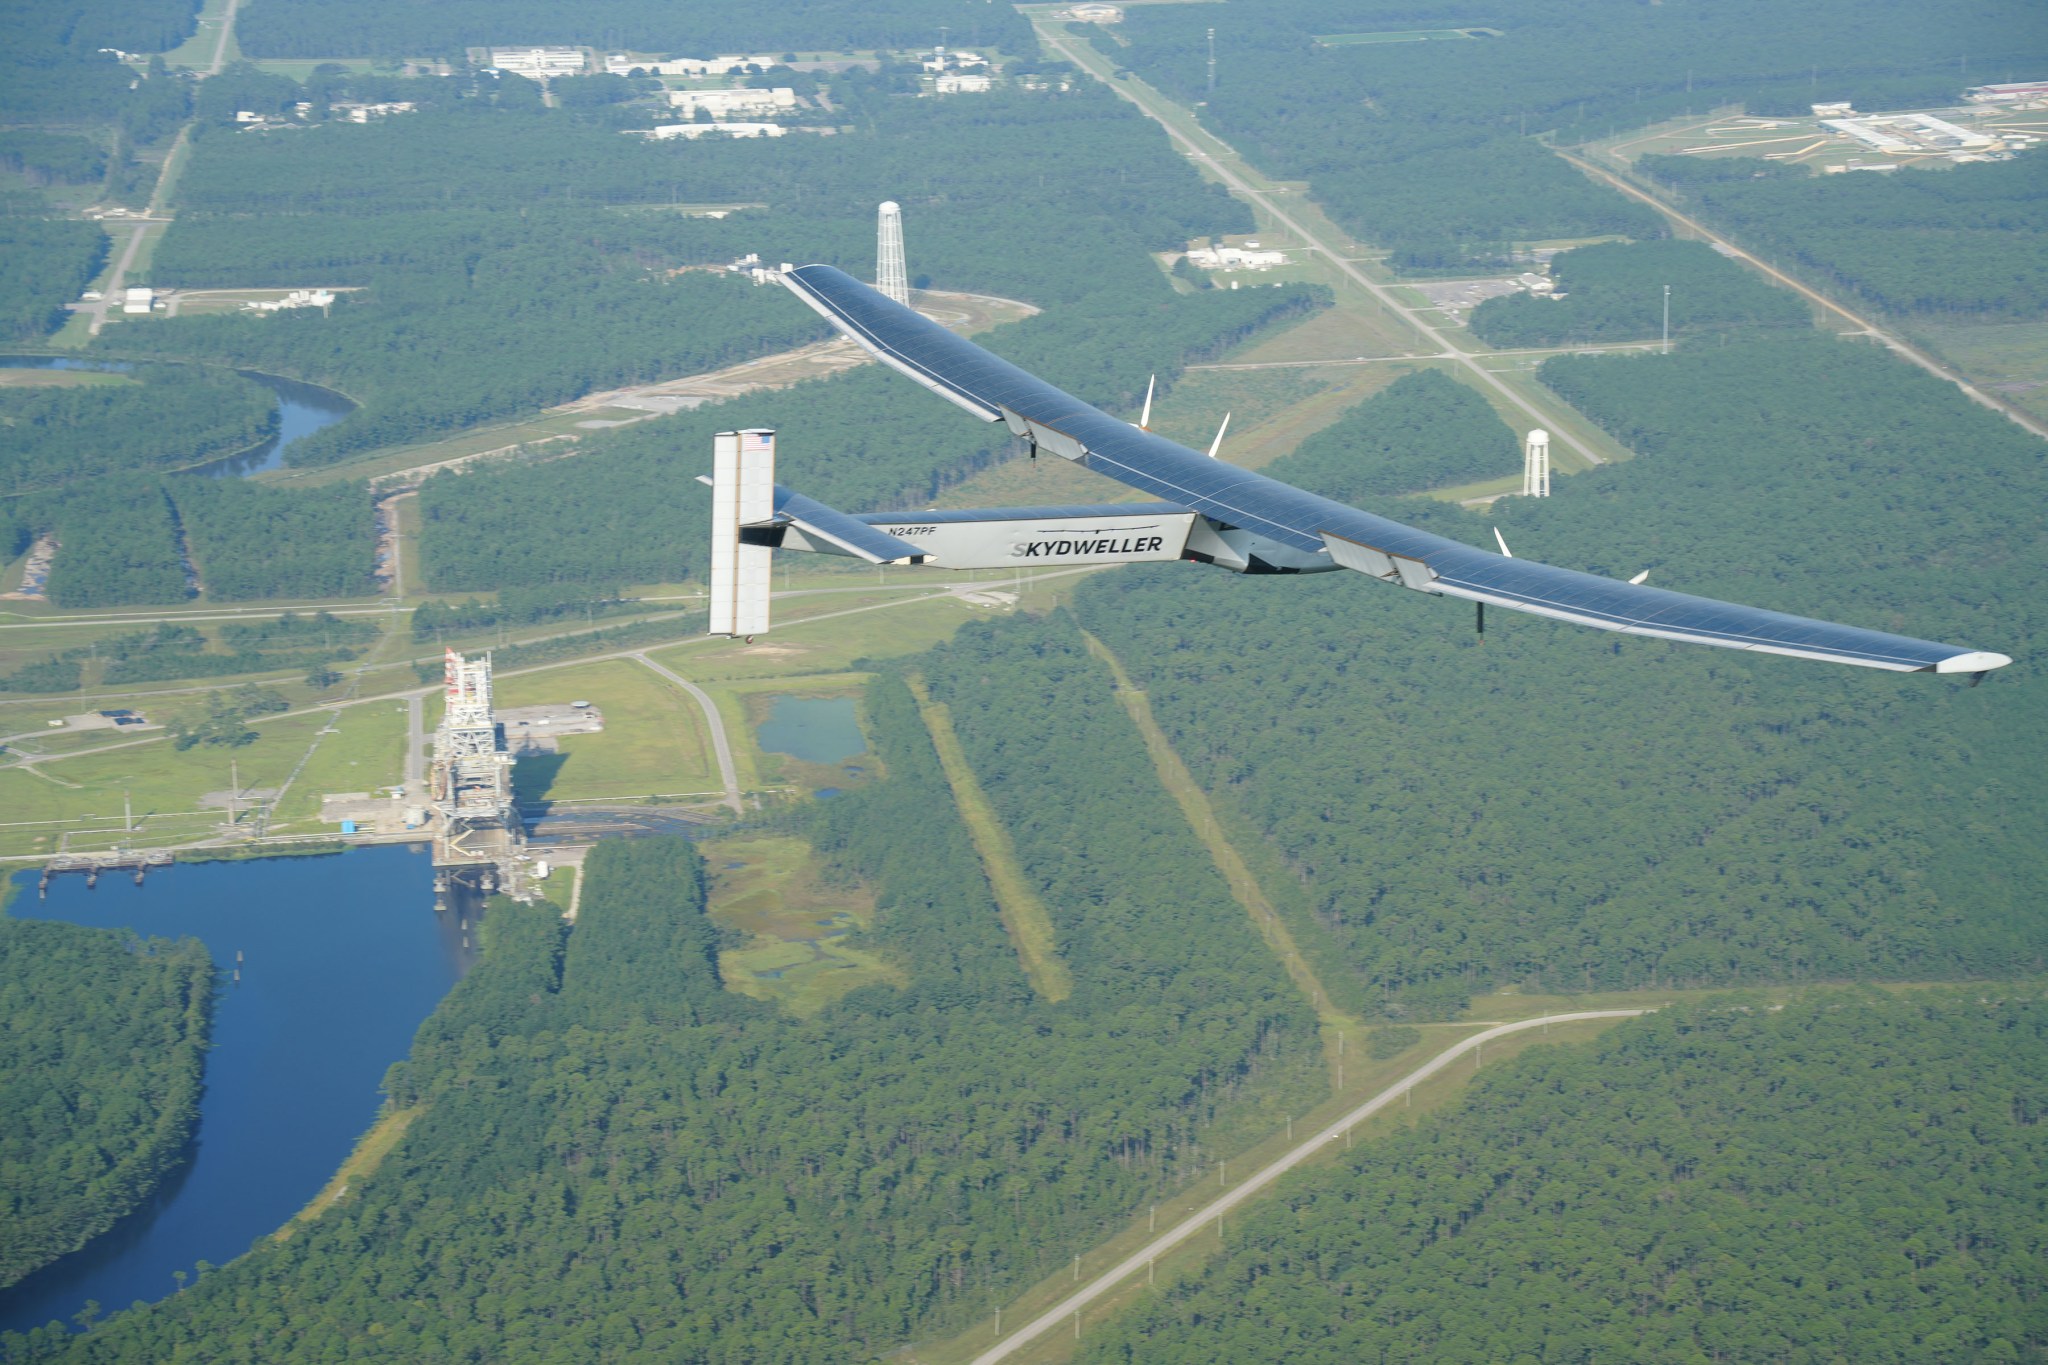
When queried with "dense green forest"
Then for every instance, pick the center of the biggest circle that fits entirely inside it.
(1855, 1176)
(119, 545)
(675, 1171)
(476, 308)
(99, 1077)
(44, 264)
(156, 417)
(629, 508)
(1788, 820)
(1425, 430)
(356, 28)
(1419, 146)
(1614, 291)
(251, 541)
(1962, 241)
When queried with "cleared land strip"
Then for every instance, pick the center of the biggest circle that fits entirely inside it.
(1024, 915)
(1143, 96)
(1201, 818)
(1063, 1312)
(1897, 345)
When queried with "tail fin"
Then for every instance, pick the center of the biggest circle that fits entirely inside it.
(742, 494)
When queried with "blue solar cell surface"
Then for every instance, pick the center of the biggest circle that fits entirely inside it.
(1237, 497)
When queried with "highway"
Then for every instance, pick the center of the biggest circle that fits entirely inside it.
(1135, 91)
(1204, 1218)
(1896, 344)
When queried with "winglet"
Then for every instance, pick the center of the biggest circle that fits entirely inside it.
(1145, 417)
(1216, 446)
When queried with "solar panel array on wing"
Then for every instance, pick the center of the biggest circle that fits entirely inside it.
(959, 515)
(987, 385)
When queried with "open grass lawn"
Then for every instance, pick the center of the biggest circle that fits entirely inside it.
(653, 739)
(365, 752)
(2008, 358)
(769, 889)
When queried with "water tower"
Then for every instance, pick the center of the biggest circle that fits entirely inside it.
(890, 278)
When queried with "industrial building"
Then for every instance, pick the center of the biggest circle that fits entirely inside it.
(1246, 257)
(1911, 134)
(540, 63)
(661, 132)
(726, 103)
(2017, 94)
(137, 300)
(963, 84)
(1095, 14)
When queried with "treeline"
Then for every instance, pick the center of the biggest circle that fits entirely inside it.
(44, 158)
(1730, 1180)
(628, 508)
(124, 542)
(1961, 242)
(1615, 292)
(1421, 146)
(385, 28)
(518, 607)
(45, 262)
(1425, 430)
(165, 652)
(156, 417)
(1568, 809)
(722, 1181)
(251, 541)
(100, 1068)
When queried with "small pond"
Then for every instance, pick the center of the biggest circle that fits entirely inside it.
(814, 729)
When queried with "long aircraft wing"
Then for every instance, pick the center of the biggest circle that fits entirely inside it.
(1310, 529)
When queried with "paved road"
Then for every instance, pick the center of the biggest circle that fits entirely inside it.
(726, 772)
(1243, 188)
(1896, 344)
(1062, 1313)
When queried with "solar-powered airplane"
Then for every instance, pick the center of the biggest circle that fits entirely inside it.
(1212, 512)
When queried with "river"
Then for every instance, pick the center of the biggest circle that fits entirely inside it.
(342, 957)
(302, 409)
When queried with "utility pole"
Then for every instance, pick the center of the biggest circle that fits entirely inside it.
(1667, 319)
(1212, 61)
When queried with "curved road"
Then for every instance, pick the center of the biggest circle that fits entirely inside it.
(1134, 1264)
(726, 772)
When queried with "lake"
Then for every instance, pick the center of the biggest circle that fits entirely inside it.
(343, 956)
(302, 409)
(814, 729)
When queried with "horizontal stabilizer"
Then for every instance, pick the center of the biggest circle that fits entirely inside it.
(847, 534)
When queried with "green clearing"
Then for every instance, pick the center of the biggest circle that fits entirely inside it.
(754, 699)
(164, 785)
(17, 378)
(2008, 358)
(366, 752)
(1024, 915)
(653, 738)
(769, 889)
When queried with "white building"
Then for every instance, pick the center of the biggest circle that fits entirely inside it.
(137, 299)
(1902, 134)
(1096, 14)
(298, 298)
(363, 113)
(539, 62)
(726, 103)
(963, 84)
(1838, 109)
(662, 132)
(1234, 258)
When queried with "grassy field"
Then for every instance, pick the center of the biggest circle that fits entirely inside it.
(653, 739)
(365, 752)
(769, 888)
(1025, 917)
(2008, 358)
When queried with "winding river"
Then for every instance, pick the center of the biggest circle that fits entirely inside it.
(302, 409)
(340, 958)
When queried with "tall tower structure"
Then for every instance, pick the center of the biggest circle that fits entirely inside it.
(471, 782)
(1212, 61)
(1536, 465)
(890, 277)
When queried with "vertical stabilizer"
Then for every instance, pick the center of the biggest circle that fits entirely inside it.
(742, 495)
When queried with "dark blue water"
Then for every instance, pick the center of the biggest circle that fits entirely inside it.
(814, 729)
(343, 957)
(302, 409)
